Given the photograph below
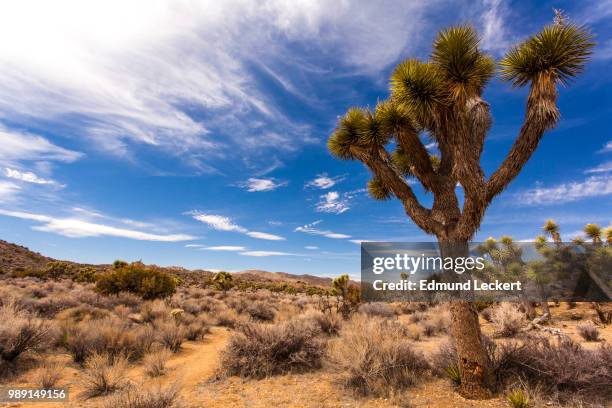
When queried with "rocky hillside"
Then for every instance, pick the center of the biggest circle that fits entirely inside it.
(14, 257)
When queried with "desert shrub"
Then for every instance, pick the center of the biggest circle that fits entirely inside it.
(195, 327)
(487, 314)
(149, 282)
(227, 318)
(135, 397)
(379, 309)
(261, 311)
(20, 332)
(81, 313)
(416, 317)
(155, 362)
(412, 331)
(103, 375)
(108, 336)
(445, 362)
(507, 319)
(588, 331)
(328, 323)
(155, 309)
(562, 367)
(261, 350)
(170, 334)
(48, 375)
(372, 357)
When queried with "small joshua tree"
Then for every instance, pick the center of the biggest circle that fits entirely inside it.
(348, 295)
(223, 280)
(442, 98)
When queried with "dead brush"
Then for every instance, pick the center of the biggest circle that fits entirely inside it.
(48, 375)
(20, 332)
(155, 362)
(373, 357)
(137, 397)
(262, 350)
(507, 319)
(170, 334)
(588, 331)
(103, 375)
(329, 323)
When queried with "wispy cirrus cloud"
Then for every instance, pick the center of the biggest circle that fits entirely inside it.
(594, 186)
(228, 248)
(22, 146)
(323, 181)
(27, 176)
(8, 191)
(79, 228)
(333, 203)
(222, 223)
(607, 148)
(311, 229)
(267, 253)
(602, 168)
(262, 184)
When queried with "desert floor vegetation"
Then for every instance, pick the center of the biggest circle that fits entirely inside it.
(203, 346)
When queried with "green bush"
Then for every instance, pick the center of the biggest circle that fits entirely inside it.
(149, 282)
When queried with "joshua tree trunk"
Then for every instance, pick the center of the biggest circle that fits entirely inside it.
(474, 362)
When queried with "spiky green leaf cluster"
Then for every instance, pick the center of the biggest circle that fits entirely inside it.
(347, 133)
(593, 231)
(402, 162)
(417, 87)
(464, 68)
(560, 50)
(378, 190)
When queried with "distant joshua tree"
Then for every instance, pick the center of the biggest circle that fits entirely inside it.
(442, 99)
(552, 228)
(593, 231)
(223, 280)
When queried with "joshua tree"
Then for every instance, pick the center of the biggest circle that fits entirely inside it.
(608, 235)
(347, 294)
(223, 280)
(552, 228)
(593, 231)
(442, 98)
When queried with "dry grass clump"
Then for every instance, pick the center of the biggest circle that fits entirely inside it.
(20, 331)
(48, 375)
(261, 350)
(154, 363)
(261, 311)
(328, 323)
(195, 327)
(109, 336)
(373, 357)
(103, 375)
(588, 331)
(379, 309)
(507, 319)
(227, 318)
(133, 397)
(170, 333)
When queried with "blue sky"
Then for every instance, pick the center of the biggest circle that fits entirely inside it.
(193, 133)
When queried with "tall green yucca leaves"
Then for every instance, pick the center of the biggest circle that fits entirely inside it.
(373, 131)
(392, 117)
(559, 49)
(347, 134)
(418, 88)
(462, 65)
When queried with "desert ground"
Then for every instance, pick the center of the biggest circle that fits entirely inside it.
(250, 346)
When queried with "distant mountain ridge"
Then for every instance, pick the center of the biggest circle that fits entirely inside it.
(14, 257)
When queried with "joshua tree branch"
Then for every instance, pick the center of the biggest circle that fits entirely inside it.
(542, 114)
(409, 140)
(379, 162)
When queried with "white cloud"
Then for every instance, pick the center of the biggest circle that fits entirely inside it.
(331, 202)
(8, 191)
(602, 168)
(265, 235)
(262, 184)
(194, 246)
(267, 253)
(310, 229)
(221, 223)
(607, 147)
(494, 36)
(311, 247)
(594, 186)
(136, 71)
(76, 228)
(16, 146)
(28, 177)
(358, 241)
(323, 181)
(225, 248)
